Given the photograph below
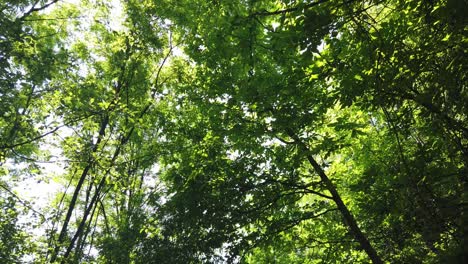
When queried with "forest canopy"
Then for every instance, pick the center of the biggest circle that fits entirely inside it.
(223, 131)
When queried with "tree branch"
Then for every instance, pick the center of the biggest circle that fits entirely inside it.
(36, 9)
(24, 203)
(350, 220)
(287, 10)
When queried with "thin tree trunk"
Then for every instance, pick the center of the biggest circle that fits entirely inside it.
(74, 199)
(350, 220)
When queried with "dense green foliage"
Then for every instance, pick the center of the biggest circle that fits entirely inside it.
(288, 131)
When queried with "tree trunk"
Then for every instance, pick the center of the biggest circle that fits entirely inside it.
(350, 220)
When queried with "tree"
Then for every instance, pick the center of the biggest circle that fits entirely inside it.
(250, 131)
(261, 64)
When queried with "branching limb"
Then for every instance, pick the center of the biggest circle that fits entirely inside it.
(37, 9)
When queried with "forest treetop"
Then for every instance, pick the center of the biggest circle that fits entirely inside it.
(228, 131)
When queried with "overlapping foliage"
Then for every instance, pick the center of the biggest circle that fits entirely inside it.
(235, 131)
